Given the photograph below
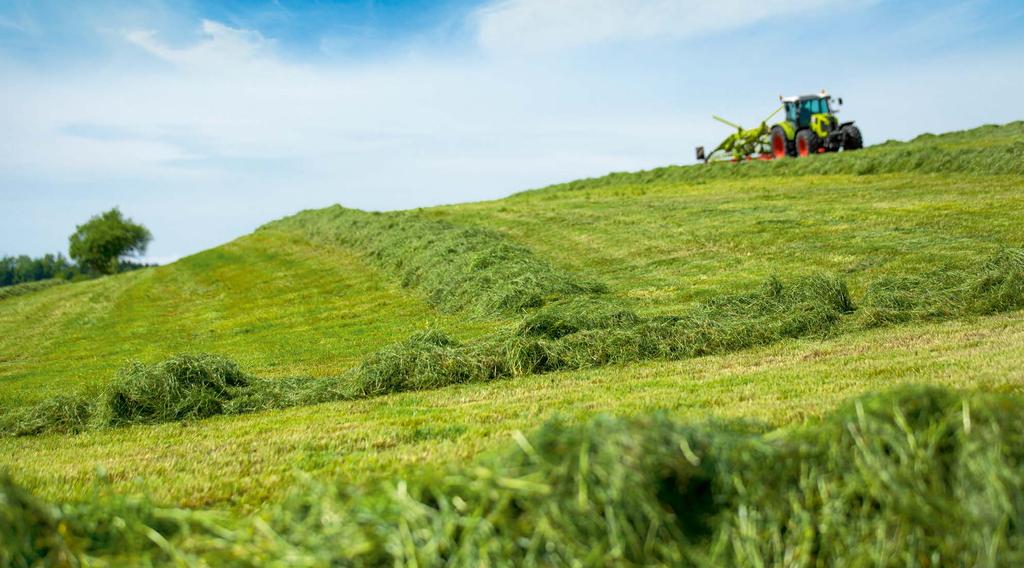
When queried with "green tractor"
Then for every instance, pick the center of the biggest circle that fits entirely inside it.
(811, 126)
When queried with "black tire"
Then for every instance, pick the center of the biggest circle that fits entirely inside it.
(852, 140)
(781, 147)
(807, 143)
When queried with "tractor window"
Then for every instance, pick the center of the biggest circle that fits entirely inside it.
(791, 112)
(815, 106)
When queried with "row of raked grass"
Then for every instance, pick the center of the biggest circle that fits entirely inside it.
(910, 477)
(241, 462)
(563, 335)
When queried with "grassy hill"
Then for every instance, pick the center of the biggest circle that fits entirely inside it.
(377, 346)
(271, 300)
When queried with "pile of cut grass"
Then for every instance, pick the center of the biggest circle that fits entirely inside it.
(183, 387)
(66, 414)
(456, 268)
(916, 476)
(946, 293)
(574, 334)
(566, 317)
(988, 150)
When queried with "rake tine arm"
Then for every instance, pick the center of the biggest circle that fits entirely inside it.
(724, 121)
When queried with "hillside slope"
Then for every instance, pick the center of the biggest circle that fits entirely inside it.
(270, 300)
(684, 255)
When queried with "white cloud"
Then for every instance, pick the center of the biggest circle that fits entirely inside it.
(227, 133)
(541, 25)
(12, 24)
(220, 46)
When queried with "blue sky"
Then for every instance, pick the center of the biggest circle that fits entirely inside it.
(204, 120)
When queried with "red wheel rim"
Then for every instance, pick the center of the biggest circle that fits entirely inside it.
(778, 146)
(802, 147)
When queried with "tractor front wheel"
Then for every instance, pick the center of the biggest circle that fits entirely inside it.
(806, 143)
(780, 146)
(852, 139)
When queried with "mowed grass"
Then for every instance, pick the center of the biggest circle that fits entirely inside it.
(666, 244)
(273, 302)
(240, 462)
(282, 306)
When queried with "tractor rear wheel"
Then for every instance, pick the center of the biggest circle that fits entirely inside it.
(806, 143)
(780, 146)
(852, 139)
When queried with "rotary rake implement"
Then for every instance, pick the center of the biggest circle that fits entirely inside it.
(744, 144)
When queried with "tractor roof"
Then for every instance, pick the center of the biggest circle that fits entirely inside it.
(822, 95)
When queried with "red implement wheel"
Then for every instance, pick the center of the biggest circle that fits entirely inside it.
(779, 143)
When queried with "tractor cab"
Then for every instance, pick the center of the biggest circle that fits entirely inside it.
(799, 110)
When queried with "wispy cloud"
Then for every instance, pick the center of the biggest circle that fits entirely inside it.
(205, 129)
(12, 24)
(219, 47)
(226, 128)
(541, 25)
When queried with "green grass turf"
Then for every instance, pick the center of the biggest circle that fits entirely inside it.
(282, 306)
(913, 476)
(271, 301)
(242, 461)
(665, 244)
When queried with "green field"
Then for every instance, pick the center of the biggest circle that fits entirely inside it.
(314, 299)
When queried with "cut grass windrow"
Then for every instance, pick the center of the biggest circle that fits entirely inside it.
(916, 476)
(947, 293)
(29, 287)
(457, 268)
(572, 334)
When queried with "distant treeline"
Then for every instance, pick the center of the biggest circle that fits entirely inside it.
(23, 268)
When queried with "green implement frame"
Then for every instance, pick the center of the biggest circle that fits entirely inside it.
(742, 144)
